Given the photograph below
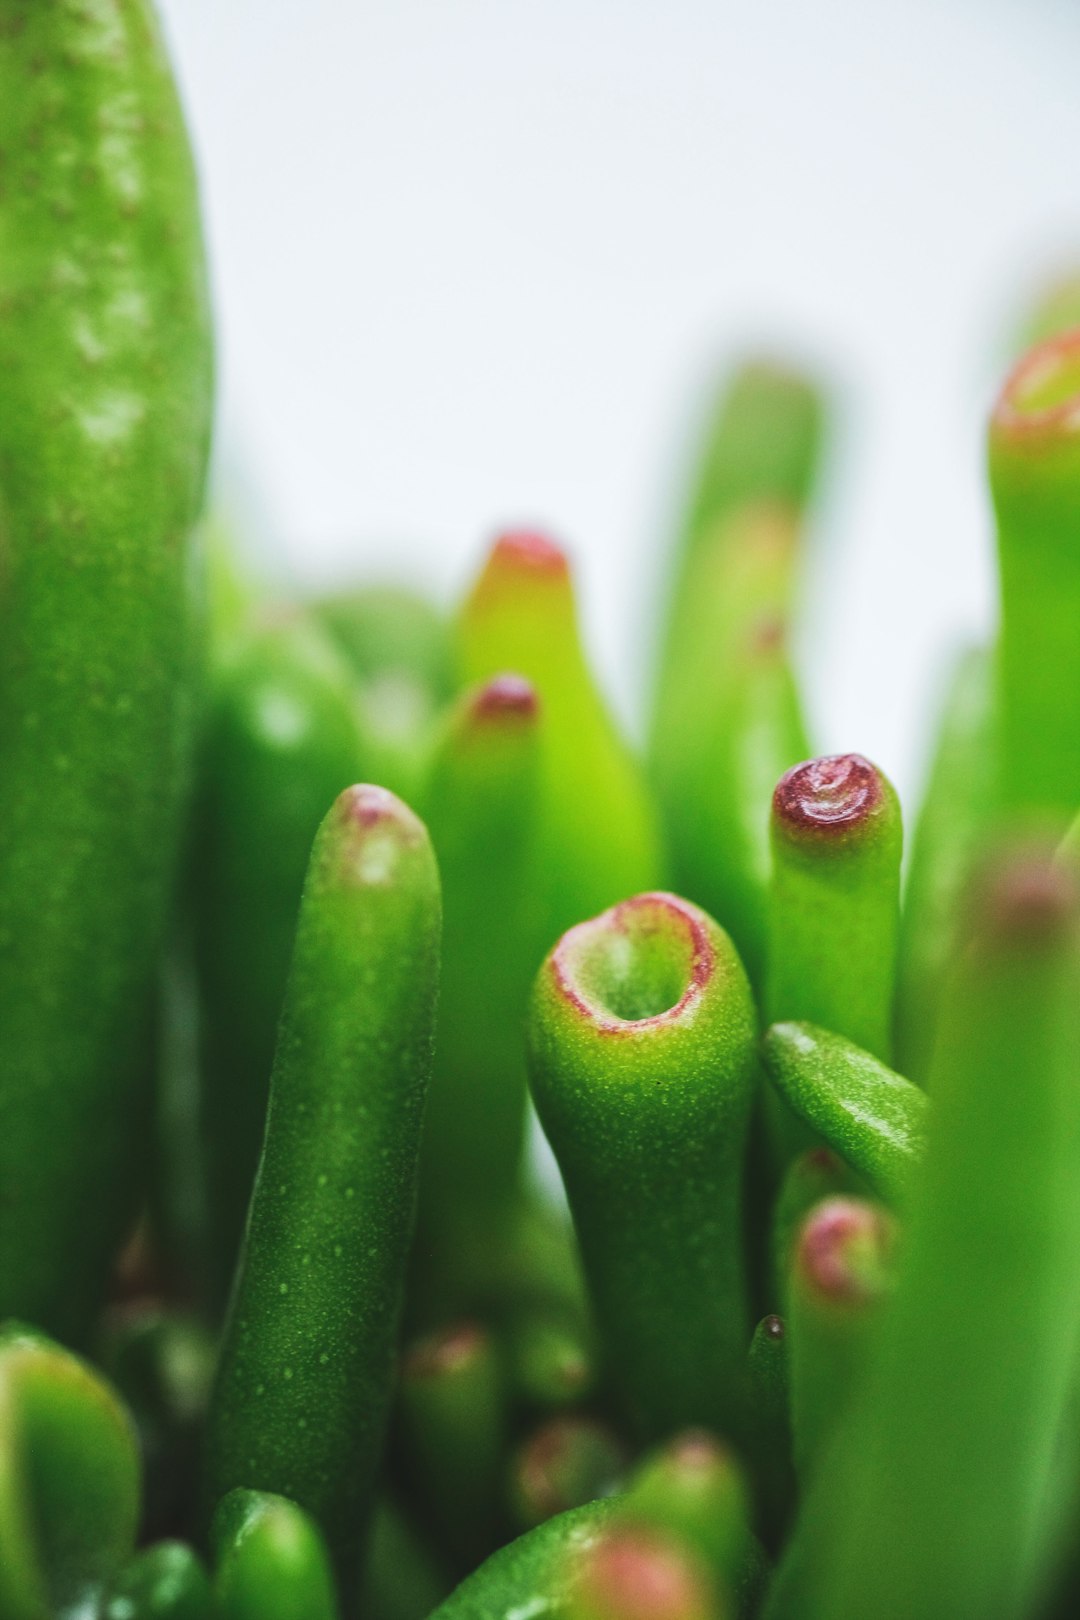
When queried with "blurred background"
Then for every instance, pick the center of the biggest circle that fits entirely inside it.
(477, 262)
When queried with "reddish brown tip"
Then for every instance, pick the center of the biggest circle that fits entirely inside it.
(828, 797)
(527, 549)
(506, 697)
(637, 1574)
(446, 1352)
(369, 806)
(696, 1451)
(1029, 898)
(844, 1249)
(570, 1460)
(1041, 396)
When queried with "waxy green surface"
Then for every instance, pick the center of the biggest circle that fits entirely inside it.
(641, 1060)
(307, 1360)
(271, 1562)
(874, 1118)
(105, 404)
(535, 1574)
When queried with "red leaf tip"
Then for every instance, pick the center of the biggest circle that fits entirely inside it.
(831, 795)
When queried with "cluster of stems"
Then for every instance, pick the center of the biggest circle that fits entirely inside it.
(311, 908)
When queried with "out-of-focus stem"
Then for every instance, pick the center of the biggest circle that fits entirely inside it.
(597, 832)
(840, 1277)
(1034, 458)
(951, 824)
(930, 1500)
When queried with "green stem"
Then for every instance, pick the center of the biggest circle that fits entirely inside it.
(873, 1118)
(571, 1459)
(1034, 459)
(306, 1365)
(931, 1499)
(769, 1402)
(480, 804)
(642, 1067)
(271, 1561)
(163, 1582)
(69, 1480)
(105, 411)
(726, 716)
(283, 738)
(834, 911)
(841, 1274)
(452, 1402)
(597, 835)
(952, 824)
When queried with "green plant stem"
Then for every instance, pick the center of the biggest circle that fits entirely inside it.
(597, 833)
(105, 407)
(641, 1044)
(841, 1274)
(571, 1459)
(304, 1381)
(769, 1404)
(400, 650)
(931, 1498)
(69, 1480)
(1034, 462)
(163, 1582)
(874, 1118)
(534, 1573)
(479, 802)
(271, 1561)
(694, 1489)
(726, 718)
(834, 910)
(283, 738)
(951, 826)
(453, 1422)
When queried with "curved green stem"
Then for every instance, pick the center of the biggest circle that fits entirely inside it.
(641, 1050)
(875, 1119)
(306, 1365)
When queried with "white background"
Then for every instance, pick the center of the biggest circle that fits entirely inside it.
(475, 263)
